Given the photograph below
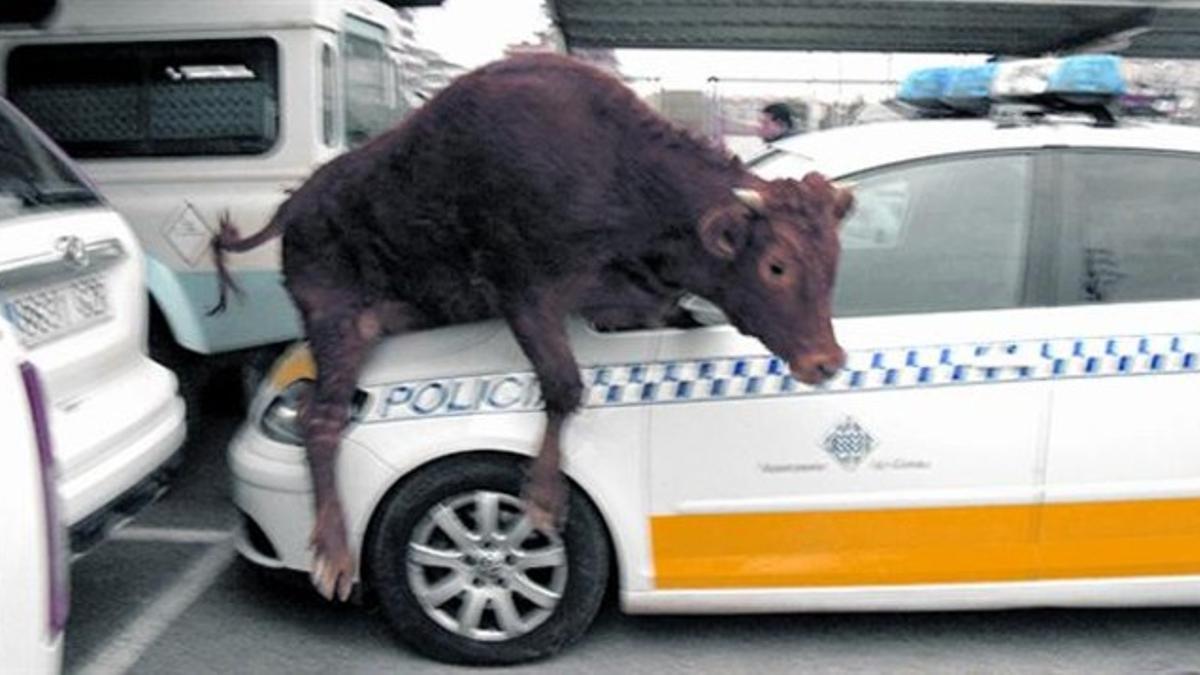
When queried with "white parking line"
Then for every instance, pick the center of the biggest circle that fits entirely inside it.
(124, 650)
(170, 535)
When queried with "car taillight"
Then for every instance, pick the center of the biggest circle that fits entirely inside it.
(58, 600)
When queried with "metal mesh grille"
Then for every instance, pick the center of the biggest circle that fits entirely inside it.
(142, 99)
(84, 112)
(55, 311)
(208, 110)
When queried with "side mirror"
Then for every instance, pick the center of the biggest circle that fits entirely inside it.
(702, 311)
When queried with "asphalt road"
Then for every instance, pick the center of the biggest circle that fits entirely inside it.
(168, 595)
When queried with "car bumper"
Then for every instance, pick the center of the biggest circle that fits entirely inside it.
(90, 531)
(123, 435)
(272, 492)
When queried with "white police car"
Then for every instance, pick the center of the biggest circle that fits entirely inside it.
(1020, 304)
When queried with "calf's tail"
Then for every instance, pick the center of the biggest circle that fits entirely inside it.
(226, 240)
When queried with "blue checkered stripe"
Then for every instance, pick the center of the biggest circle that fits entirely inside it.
(687, 381)
(767, 376)
(758, 376)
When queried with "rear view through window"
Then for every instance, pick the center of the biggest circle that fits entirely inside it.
(1131, 227)
(936, 237)
(202, 97)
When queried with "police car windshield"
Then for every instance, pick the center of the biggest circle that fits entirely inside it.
(32, 175)
(779, 163)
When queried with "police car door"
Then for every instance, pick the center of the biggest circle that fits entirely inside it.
(915, 464)
(1123, 469)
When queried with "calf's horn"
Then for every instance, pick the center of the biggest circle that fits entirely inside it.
(750, 198)
(843, 200)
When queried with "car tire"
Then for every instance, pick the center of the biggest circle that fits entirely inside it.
(406, 518)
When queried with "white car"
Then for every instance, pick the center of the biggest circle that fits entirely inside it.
(72, 296)
(1016, 424)
(33, 597)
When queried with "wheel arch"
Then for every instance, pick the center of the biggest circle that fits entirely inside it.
(371, 531)
(170, 300)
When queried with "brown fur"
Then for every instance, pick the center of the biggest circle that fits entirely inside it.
(528, 189)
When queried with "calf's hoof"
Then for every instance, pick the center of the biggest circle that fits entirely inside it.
(332, 566)
(545, 498)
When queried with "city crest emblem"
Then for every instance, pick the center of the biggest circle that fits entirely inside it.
(849, 443)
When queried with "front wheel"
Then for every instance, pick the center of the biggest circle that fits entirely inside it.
(464, 577)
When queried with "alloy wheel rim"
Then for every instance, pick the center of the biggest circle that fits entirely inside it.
(479, 568)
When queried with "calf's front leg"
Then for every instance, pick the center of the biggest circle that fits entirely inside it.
(541, 332)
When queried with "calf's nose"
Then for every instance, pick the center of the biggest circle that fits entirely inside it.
(818, 366)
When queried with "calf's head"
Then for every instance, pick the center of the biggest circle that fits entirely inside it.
(773, 254)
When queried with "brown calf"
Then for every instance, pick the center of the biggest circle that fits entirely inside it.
(528, 189)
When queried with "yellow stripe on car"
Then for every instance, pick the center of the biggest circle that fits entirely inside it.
(927, 545)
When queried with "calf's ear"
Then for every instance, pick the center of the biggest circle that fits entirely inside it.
(725, 231)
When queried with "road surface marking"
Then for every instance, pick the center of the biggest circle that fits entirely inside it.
(170, 535)
(124, 650)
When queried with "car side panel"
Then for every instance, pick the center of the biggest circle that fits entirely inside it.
(748, 490)
(1123, 474)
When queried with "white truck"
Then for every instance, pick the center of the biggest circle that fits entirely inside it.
(181, 111)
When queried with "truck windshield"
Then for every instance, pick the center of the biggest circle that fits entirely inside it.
(32, 176)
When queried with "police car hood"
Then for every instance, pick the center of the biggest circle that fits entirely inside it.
(466, 349)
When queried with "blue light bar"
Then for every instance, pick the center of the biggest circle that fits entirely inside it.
(970, 88)
(1080, 83)
(972, 82)
(926, 87)
(1089, 74)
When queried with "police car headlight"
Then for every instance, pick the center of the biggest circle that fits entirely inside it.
(281, 420)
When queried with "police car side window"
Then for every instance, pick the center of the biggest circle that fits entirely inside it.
(1130, 220)
(935, 236)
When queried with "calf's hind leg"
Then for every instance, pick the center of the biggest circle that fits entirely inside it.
(340, 333)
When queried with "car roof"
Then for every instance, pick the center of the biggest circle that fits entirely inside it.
(846, 150)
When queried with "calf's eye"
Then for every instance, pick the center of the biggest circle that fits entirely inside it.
(776, 269)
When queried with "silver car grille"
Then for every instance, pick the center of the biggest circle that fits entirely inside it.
(52, 295)
(58, 310)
